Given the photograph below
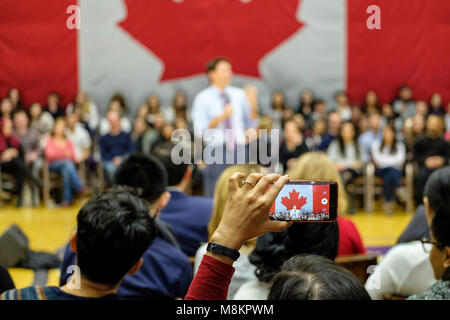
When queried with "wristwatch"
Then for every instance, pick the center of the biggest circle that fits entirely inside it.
(222, 250)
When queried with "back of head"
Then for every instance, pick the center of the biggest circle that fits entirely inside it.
(176, 172)
(145, 173)
(437, 188)
(272, 249)
(113, 231)
(312, 277)
(440, 228)
(318, 166)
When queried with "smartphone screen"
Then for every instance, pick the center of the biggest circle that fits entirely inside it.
(309, 201)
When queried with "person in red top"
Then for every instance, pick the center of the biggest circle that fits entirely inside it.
(246, 216)
(60, 155)
(350, 241)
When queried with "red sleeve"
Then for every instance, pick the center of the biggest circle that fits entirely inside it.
(211, 280)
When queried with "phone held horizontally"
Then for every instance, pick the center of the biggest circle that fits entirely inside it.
(306, 201)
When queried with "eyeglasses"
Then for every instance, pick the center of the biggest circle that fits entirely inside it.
(425, 242)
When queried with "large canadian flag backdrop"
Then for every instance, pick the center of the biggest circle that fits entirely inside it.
(138, 47)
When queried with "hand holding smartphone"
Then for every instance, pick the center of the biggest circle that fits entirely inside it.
(306, 201)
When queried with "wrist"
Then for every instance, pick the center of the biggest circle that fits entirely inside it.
(226, 239)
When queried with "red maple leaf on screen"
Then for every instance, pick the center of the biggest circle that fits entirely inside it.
(293, 200)
(186, 34)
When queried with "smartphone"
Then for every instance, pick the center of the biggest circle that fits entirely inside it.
(306, 201)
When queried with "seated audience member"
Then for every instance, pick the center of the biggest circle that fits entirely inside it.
(406, 269)
(315, 139)
(30, 142)
(320, 111)
(293, 146)
(178, 109)
(15, 97)
(273, 249)
(422, 108)
(113, 231)
(244, 217)
(42, 121)
(404, 105)
(447, 120)
(115, 146)
(306, 106)
(89, 112)
(357, 117)
(60, 154)
(6, 109)
(11, 158)
(388, 116)
(334, 125)
(342, 106)
(53, 107)
(165, 134)
(6, 282)
(318, 166)
(371, 103)
(115, 105)
(140, 128)
(79, 137)
(436, 106)
(439, 255)
(312, 277)
(345, 152)
(368, 138)
(389, 157)
(188, 216)
(430, 152)
(166, 271)
(280, 111)
(244, 270)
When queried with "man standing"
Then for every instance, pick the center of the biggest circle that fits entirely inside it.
(226, 109)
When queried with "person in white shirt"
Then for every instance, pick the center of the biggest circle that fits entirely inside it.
(406, 268)
(125, 124)
(389, 157)
(79, 136)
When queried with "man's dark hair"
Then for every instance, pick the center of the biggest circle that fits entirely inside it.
(145, 173)
(312, 277)
(175, 172)
(437, 188)
(113, 231)
(440, 227)
(272, 249)
(212, 64)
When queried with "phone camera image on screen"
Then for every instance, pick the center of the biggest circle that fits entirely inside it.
(306, 201)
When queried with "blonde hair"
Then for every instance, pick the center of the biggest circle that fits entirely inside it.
(318, 166)
(221, 194)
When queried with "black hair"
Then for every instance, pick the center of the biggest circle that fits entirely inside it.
(212, 64)
(440, 227)
(272, 249)
(437, 187)
(114, 229)
(176, 172)
(394, 142)
(145, 173)
(312, 277)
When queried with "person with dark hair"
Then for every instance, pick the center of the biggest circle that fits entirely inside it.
(166, 272)
(306, 105)
(6, 282)
(346, 153)
(368, 138)
(188, 216)
(115, 105)
(389, 157)
(436, 106)
(342, 106)
(312, 277)
(405, 270)
(6, 109)
(280, 111)
(273, 249)
(404, 105)
(439, 255)
(113, 231)
(430, 152)
(293, 145)
(371, 103)
(334, 125)
(53, 107)
(226, 109)
(15, 98)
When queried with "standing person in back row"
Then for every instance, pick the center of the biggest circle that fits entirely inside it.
(222, 107)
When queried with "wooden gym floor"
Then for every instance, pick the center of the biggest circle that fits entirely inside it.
(49, 230)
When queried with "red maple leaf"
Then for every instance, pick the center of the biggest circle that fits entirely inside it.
(293, 200)
(186, 34)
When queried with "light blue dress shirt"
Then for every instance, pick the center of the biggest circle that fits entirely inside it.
(209, 104)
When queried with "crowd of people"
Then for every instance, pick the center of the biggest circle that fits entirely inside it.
(149, 238)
